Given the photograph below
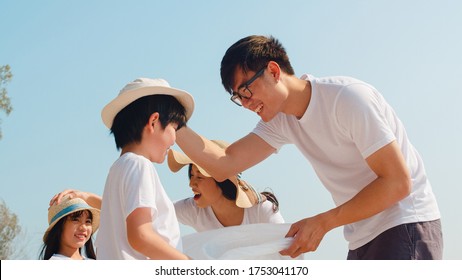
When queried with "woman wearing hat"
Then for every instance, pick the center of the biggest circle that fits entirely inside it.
(72, 223)
(221, 204)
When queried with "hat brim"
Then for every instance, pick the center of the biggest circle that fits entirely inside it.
(177, 160)
(94, 224)
(122, 100)
(246, 195)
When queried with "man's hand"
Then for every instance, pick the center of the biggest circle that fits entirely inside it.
(307, 234)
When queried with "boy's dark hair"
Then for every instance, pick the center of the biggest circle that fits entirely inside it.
(53, 240)
(230, 192)
(252, 53)
(129, 122)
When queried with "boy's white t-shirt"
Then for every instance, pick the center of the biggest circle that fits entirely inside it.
(203, 219)
(346, 121)
(133, 183)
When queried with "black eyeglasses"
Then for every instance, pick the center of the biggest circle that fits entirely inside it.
(245, 92)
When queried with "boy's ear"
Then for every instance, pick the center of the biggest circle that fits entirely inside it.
(153, 119)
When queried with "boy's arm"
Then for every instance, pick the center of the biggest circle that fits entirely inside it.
(222, 164)
(145, 240)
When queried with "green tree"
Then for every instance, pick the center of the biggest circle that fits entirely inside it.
(9, 230)
(5, 103)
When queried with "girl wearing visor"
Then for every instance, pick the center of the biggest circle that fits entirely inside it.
(72, 223)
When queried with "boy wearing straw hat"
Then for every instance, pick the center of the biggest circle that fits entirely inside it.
(138, 219)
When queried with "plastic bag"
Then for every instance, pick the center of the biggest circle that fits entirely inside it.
(244, 242)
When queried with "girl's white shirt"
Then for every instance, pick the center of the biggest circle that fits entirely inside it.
(66, 258)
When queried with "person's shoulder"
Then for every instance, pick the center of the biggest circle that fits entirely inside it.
(132, 159)
(131, 164)
(59, 257)
(265, 205)
(186, 202)
(336, 80)
(264, 213)
(187, 207)
(343, 89)
(130, 156)
(187, 211)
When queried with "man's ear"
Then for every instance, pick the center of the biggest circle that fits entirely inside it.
(274, 69)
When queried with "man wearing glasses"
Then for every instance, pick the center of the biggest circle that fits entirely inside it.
(354, 141)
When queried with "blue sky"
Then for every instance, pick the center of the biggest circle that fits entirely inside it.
(70, 58)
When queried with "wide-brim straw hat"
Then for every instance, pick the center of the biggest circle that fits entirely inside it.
(143, 87)
(67, 206)
(246, 195)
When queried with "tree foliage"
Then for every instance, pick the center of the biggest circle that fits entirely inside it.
(9, 230)
(5, 103)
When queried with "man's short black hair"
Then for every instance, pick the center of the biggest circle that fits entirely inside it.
(252, 53)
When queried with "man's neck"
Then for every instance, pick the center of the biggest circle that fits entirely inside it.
(299, 96)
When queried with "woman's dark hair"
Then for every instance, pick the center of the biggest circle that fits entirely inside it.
(252, 53)
(228, 188)
(230, 192)
(129, 122)
(53, 240)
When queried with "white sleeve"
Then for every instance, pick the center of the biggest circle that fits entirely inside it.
(273, 132)
(139, 187)
(364, 116)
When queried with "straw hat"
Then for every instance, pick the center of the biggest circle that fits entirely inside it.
(246, 196)
(143, 87)
(67, 206)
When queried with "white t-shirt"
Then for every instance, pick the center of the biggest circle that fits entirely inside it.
(60, 257)
(346, 121)
(133, 183)
(203, 219)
